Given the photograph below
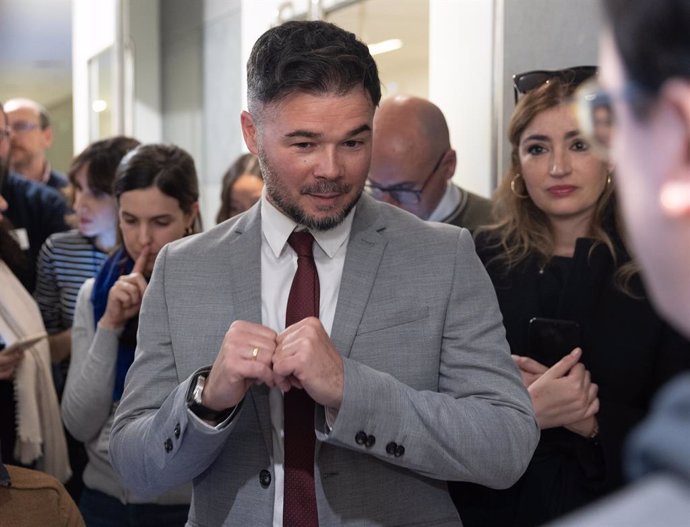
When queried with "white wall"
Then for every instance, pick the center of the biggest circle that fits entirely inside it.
(460, 83)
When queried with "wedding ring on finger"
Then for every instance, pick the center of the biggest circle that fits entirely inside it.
(255, 353)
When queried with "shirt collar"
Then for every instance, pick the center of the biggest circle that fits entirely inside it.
(46, 172)
(449, 202)
(277, 227)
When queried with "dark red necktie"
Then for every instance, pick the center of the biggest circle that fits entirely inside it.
(299, 498)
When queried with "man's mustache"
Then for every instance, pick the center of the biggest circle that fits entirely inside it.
(326, 187)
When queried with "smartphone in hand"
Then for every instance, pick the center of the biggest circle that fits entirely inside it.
(551, 339)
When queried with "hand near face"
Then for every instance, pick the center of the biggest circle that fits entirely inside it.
(564, 394)
(125, 296)
(9, 361)
(238, 365)
(306, 358)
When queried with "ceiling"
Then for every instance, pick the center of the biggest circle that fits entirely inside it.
(36, 50)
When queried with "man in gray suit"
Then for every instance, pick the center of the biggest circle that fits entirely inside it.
(412, 164)
(406, 369)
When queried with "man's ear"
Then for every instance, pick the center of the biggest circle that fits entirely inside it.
(449, 164)
(675, 190)
(249, 132)
(47, 137)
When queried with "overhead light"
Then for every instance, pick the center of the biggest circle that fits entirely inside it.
(385, 46)
(99, 105)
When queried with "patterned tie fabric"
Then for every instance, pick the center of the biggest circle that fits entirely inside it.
(299, 505)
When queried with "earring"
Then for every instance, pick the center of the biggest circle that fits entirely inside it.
(513, 185)
(608, 179)
(189, 230)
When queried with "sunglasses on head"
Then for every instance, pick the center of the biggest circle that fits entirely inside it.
(530, 80)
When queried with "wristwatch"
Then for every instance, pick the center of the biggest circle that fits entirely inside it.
(194, 398)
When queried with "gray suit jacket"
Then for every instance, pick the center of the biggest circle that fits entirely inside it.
(426, 363)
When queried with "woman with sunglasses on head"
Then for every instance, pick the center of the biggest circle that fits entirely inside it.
(556, 252)
(157, 194)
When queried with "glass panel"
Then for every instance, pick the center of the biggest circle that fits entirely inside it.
(101, 95)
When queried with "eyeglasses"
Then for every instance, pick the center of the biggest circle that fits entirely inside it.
(530, 80)
(5, 133)
(19, 127)
(406, 196)
(593, 109)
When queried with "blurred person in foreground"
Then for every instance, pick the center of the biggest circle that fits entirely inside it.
(644, 92)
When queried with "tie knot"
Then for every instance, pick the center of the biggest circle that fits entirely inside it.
(302, 242)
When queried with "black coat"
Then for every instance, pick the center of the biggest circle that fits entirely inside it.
(630, 353)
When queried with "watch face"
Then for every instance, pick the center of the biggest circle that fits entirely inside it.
(198, 389)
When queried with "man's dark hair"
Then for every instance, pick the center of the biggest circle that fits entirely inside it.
(313, 57)
(101, 159)
(653, 39)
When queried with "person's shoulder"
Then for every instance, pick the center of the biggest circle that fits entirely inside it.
(67, 238)
(57, 180)
(36, 193)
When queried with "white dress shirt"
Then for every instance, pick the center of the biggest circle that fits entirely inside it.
(278, 267)
(448, 204)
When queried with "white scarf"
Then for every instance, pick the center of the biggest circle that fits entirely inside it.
(40, 435)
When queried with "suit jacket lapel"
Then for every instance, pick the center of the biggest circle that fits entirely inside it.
(245, 281)
(364, 252)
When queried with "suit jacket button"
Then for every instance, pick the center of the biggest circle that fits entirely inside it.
(361, 437)
(390, 448)
(168, 445)
(399, 451)
(177, 431)
(370, 441)
(265, 478)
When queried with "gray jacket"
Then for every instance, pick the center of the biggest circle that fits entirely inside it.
(427, 367)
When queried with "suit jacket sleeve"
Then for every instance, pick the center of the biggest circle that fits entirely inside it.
(146, 445)
(478, 425)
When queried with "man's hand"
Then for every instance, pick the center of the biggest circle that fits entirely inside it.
(125, 296)
(245, 358)
(564, 394)
(306, 358)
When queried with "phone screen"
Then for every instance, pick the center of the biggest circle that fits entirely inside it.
(551, 339)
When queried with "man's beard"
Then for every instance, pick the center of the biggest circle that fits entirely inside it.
(281, 199)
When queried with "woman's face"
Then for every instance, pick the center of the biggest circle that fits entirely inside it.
(149, 218)
(562, 175)
(96, 211)
(244, 193)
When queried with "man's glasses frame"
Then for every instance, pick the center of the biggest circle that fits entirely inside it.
(530, 80)
(407, 196)
(19, 127)
(5, 133)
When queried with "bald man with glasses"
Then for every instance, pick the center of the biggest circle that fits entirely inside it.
(31, 137)
(412, 165)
